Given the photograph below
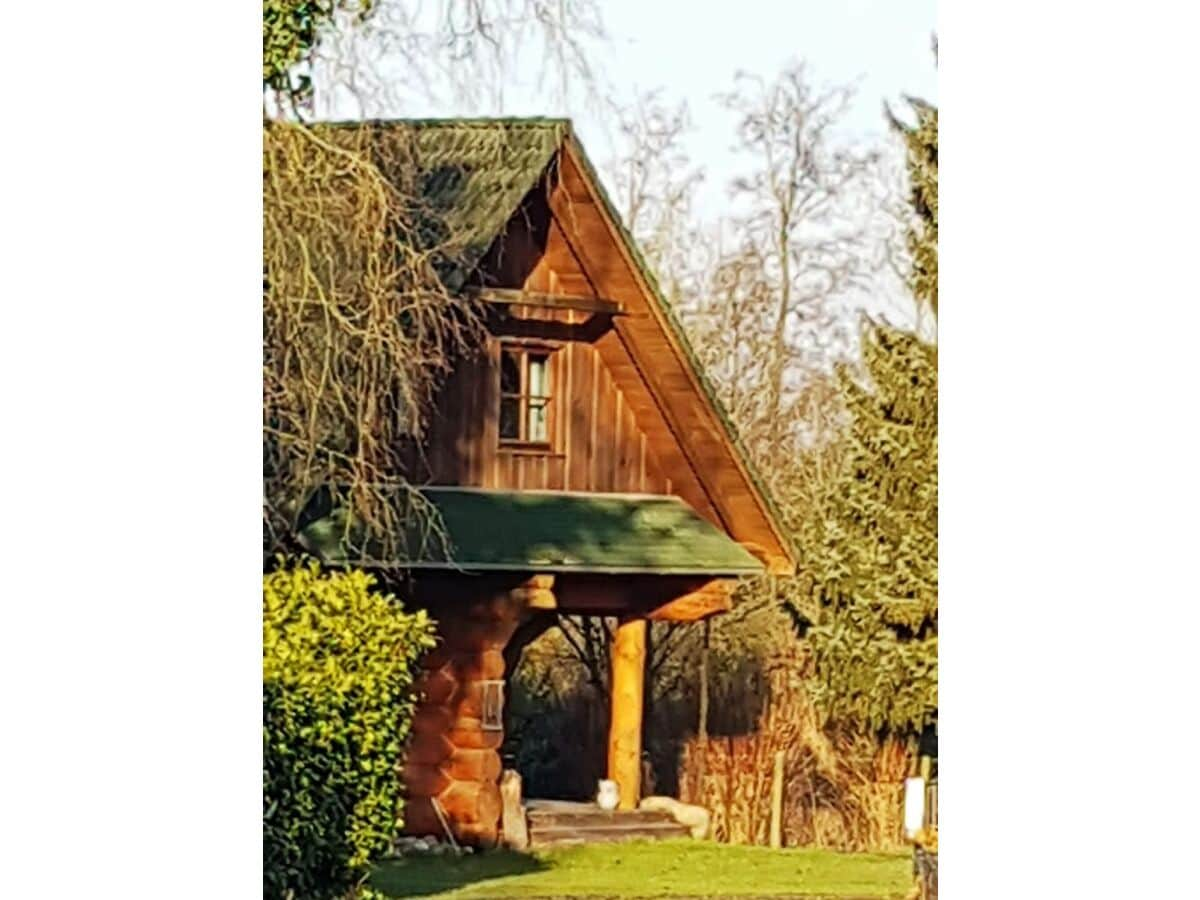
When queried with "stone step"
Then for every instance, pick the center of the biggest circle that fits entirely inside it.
(566, 835)
(596, 818)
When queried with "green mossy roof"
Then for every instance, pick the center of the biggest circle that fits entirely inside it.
(477, 173)
(473, 174)
(555, 531)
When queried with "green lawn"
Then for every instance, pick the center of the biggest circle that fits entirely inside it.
(660, 869)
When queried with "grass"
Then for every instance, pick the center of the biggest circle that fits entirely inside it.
(659, 869)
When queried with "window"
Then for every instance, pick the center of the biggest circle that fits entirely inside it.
(525, 395)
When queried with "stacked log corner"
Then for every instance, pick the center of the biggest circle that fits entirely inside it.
(451, 760)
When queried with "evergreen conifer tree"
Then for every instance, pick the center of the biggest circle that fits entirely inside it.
(921, 143)
(870, 556)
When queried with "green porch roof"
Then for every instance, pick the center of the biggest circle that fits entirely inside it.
(558, 531)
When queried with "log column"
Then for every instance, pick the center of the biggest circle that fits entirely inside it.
(452, 758)
(625, 730)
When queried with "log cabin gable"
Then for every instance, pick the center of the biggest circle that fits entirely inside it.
(538, 408)
(590, 386)
(489, 429)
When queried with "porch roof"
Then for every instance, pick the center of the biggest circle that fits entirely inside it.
(559, 531)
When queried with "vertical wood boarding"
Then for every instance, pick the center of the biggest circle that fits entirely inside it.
(597, 444)
(606, 430)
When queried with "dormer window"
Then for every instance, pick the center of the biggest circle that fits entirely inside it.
(525, 395)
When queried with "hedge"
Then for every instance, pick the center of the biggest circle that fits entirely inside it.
(338, 666)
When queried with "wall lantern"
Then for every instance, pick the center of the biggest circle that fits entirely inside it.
(493, 705)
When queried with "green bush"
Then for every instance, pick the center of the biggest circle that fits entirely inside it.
(338, 664)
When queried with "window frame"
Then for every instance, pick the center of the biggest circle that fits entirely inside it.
(523, 351)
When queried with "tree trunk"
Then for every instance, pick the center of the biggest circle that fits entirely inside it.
(647, 762)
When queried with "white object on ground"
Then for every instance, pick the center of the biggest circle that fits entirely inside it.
(607, 796)
(694, 817)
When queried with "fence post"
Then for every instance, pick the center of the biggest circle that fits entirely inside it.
(777, 802)
(930, 799)
(702, 726)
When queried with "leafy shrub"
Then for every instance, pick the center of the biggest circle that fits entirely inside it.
(338, 665)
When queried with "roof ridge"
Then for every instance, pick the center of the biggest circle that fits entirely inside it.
(449, 121)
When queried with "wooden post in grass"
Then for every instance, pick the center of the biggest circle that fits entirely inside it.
(777, 802)
(625, 728)
(925, 770)
(702, 727)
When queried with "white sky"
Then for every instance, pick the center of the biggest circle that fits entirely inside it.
(692, 50)
(883, 46)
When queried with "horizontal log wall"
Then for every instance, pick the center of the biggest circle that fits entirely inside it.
(453, 759)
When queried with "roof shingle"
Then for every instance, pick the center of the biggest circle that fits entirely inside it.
(557, 531)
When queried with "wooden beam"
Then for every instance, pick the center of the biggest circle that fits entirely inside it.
(625, 728)
(509, 297)
(660, 598)
(713, 598)
(541, 599)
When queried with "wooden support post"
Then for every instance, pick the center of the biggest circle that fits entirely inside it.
(925, 771)
(625, 728)
(777, 802)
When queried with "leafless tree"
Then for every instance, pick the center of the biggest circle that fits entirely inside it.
(589, 640)
(460, 52)
(655, 183)
(656, 186)
(800, 235)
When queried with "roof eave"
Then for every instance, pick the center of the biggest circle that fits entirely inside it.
(778, 560)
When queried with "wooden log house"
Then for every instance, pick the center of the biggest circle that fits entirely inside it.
(580, 463)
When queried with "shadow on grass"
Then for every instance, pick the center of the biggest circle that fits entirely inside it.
(421, 876)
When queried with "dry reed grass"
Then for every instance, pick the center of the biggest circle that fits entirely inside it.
(842, 790)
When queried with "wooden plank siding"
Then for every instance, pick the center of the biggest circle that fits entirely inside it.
(596, 443)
